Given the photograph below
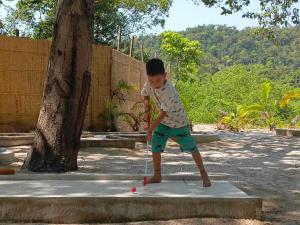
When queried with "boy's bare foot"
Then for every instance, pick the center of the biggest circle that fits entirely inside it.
(205, 178)
(154, 179)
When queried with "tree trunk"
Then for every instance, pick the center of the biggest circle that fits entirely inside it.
(67, 84)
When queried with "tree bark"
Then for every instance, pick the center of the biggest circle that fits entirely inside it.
(67, 85)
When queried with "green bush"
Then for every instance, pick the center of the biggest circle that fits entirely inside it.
(234, 86)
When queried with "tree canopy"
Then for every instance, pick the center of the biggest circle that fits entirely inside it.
(182, 55)
(224, 46)
(35, 18)
(271, 13)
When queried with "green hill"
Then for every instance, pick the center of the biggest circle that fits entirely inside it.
(226, 46)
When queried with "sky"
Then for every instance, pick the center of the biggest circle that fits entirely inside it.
(184, 14)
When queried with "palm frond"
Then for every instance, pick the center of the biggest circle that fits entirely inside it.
(266, 89)
(287, 97)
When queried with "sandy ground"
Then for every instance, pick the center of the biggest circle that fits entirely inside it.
(258, 162)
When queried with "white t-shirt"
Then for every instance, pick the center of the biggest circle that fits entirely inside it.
(167, 100)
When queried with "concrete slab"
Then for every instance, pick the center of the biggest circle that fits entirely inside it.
(288, 132)
(137, 137)
(102, 176)
(10, 140)
(140, 137)
(99, 139)
(16, 134)
(6, 157)
(108, 142)
(119, 133)
(115, 188)
(15, 140)
(69, 201)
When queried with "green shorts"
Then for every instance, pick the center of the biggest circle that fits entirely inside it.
(182, 136)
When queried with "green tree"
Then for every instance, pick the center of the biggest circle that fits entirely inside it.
(35, 18)
(224, 91)
(239, 119)
(1, 27)
(182, 55)
(285, 103)
(271, 13)
(226, 46)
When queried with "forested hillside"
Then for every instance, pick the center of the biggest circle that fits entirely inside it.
(234, 77)
(226, 46)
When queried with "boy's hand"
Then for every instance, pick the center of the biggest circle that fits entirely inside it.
(149, 135)
(154, 125)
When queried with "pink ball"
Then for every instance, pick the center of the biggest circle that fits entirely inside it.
(133, 189)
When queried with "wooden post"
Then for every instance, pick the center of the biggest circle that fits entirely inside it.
(169, 71)
(119, 39)
(131, 46)
(142, 52)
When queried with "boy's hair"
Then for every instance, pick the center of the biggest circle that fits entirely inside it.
(154, 67)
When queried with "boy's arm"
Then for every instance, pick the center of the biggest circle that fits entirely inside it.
(160, 117)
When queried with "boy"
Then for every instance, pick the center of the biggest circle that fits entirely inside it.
(172, 121)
